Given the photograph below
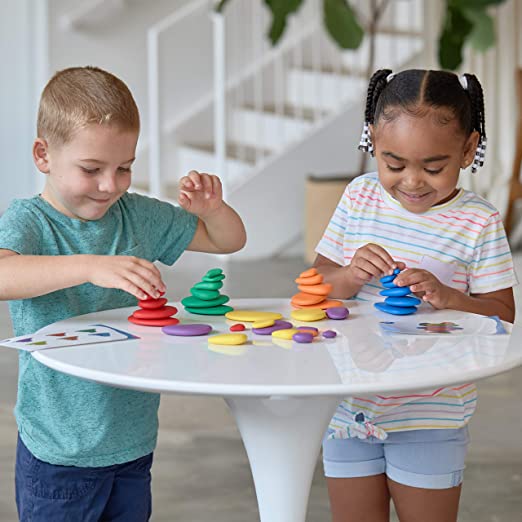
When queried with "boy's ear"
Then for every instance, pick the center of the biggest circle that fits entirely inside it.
(469, 149)
(41, 155)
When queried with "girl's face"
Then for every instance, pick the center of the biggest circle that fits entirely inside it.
(419, 157)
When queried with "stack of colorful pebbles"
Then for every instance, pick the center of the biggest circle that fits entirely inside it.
(313, 293)
(153, 312)
(205, 298)
(397, 301)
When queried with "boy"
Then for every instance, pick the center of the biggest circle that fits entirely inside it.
(85, 450)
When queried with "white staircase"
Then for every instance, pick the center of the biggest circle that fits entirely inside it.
(274, 115)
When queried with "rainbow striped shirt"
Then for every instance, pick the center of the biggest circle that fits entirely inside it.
(462, 242)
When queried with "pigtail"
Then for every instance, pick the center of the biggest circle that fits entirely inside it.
(478, 120)
(377, 84)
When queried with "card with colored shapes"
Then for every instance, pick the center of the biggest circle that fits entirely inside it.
(475, 325)
(46, 339)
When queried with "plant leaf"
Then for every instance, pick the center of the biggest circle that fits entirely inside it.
(280, 10)
(482, 36)
(455, 30)
(472, 4)
(342, 24)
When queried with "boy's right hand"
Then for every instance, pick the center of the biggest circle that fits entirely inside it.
(134, 275)
(371, 260)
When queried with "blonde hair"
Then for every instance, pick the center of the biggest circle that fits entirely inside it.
(79, 96)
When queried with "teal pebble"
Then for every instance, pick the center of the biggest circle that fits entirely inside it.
(205, 295)
(208, 285)
(194, 302)
(214, 272)
(213, 279)
(217, 310)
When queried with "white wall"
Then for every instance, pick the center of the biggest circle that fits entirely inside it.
(22, 28)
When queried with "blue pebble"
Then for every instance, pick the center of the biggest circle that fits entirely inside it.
(388, 278)
(399, 291)
(391, 284)
(395, 310)
(396, 271)
(403, 301)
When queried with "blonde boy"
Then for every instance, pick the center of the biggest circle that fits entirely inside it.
(85, 244)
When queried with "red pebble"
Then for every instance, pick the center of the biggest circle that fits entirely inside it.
(153, 322)
(156, 313)
(151, 304)
(238, 327)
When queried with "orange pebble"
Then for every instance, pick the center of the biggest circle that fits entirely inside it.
(306, 299)
(323, 289)
(327, 303)
(308, 273)
(312, 331)
(317, 279)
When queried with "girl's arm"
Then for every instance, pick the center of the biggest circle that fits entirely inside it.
(500, 302)
(24, 277)
(344, 286)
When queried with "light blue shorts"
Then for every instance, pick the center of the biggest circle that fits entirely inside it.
(431, 459)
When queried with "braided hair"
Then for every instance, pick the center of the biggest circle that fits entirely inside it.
(411, 90)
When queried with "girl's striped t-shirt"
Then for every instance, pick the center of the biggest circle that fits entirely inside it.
(462, 242)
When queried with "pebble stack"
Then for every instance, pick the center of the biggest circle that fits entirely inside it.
(205, 298)
(154, 312)
(313, 293)
(398, 301)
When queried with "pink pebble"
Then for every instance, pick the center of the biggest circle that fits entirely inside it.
(329, 334)
(238, 327)
(303, 337)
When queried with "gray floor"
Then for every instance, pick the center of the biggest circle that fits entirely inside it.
(201, 471)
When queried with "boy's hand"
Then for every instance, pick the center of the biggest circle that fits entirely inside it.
(200, 194)
(425, 285)
(372, 260)
(136, 276)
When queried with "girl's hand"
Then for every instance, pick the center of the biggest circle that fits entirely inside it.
(138, 277)
(425, 285)
(372, 260)
(200, 194)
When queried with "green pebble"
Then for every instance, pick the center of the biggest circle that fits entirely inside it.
(206, 295)
(208, 285)
(214, 272)
(194, 302)
(213, 279)
(216, 310)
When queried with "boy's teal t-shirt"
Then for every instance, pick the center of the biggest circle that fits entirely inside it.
(62, 419)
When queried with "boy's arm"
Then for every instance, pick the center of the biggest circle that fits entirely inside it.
(23, 277)
(220, 229)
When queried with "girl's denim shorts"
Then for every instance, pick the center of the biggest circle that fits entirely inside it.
(430, 459)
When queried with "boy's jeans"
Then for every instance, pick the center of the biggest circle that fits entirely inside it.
(46, 492)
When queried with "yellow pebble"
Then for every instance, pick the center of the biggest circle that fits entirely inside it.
(308, 314)
(228, 339)
(263, 324)
(285, 334)
(251, 316)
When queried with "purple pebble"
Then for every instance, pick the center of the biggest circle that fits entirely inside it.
(303, 337)
(329, 334)
(278, 325)
(337, 312)
(187, 330)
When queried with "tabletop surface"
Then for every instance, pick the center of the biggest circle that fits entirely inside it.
(362, 359)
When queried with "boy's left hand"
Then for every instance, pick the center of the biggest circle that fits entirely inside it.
(425, 285)
(200, 194)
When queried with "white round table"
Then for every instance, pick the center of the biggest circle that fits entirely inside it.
(283, 394)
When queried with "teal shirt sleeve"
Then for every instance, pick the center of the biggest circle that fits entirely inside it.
(20, 230)
(166, 230)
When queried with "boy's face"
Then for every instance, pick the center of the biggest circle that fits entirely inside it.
(89, 173)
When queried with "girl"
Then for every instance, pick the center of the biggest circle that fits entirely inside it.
(423, 127)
